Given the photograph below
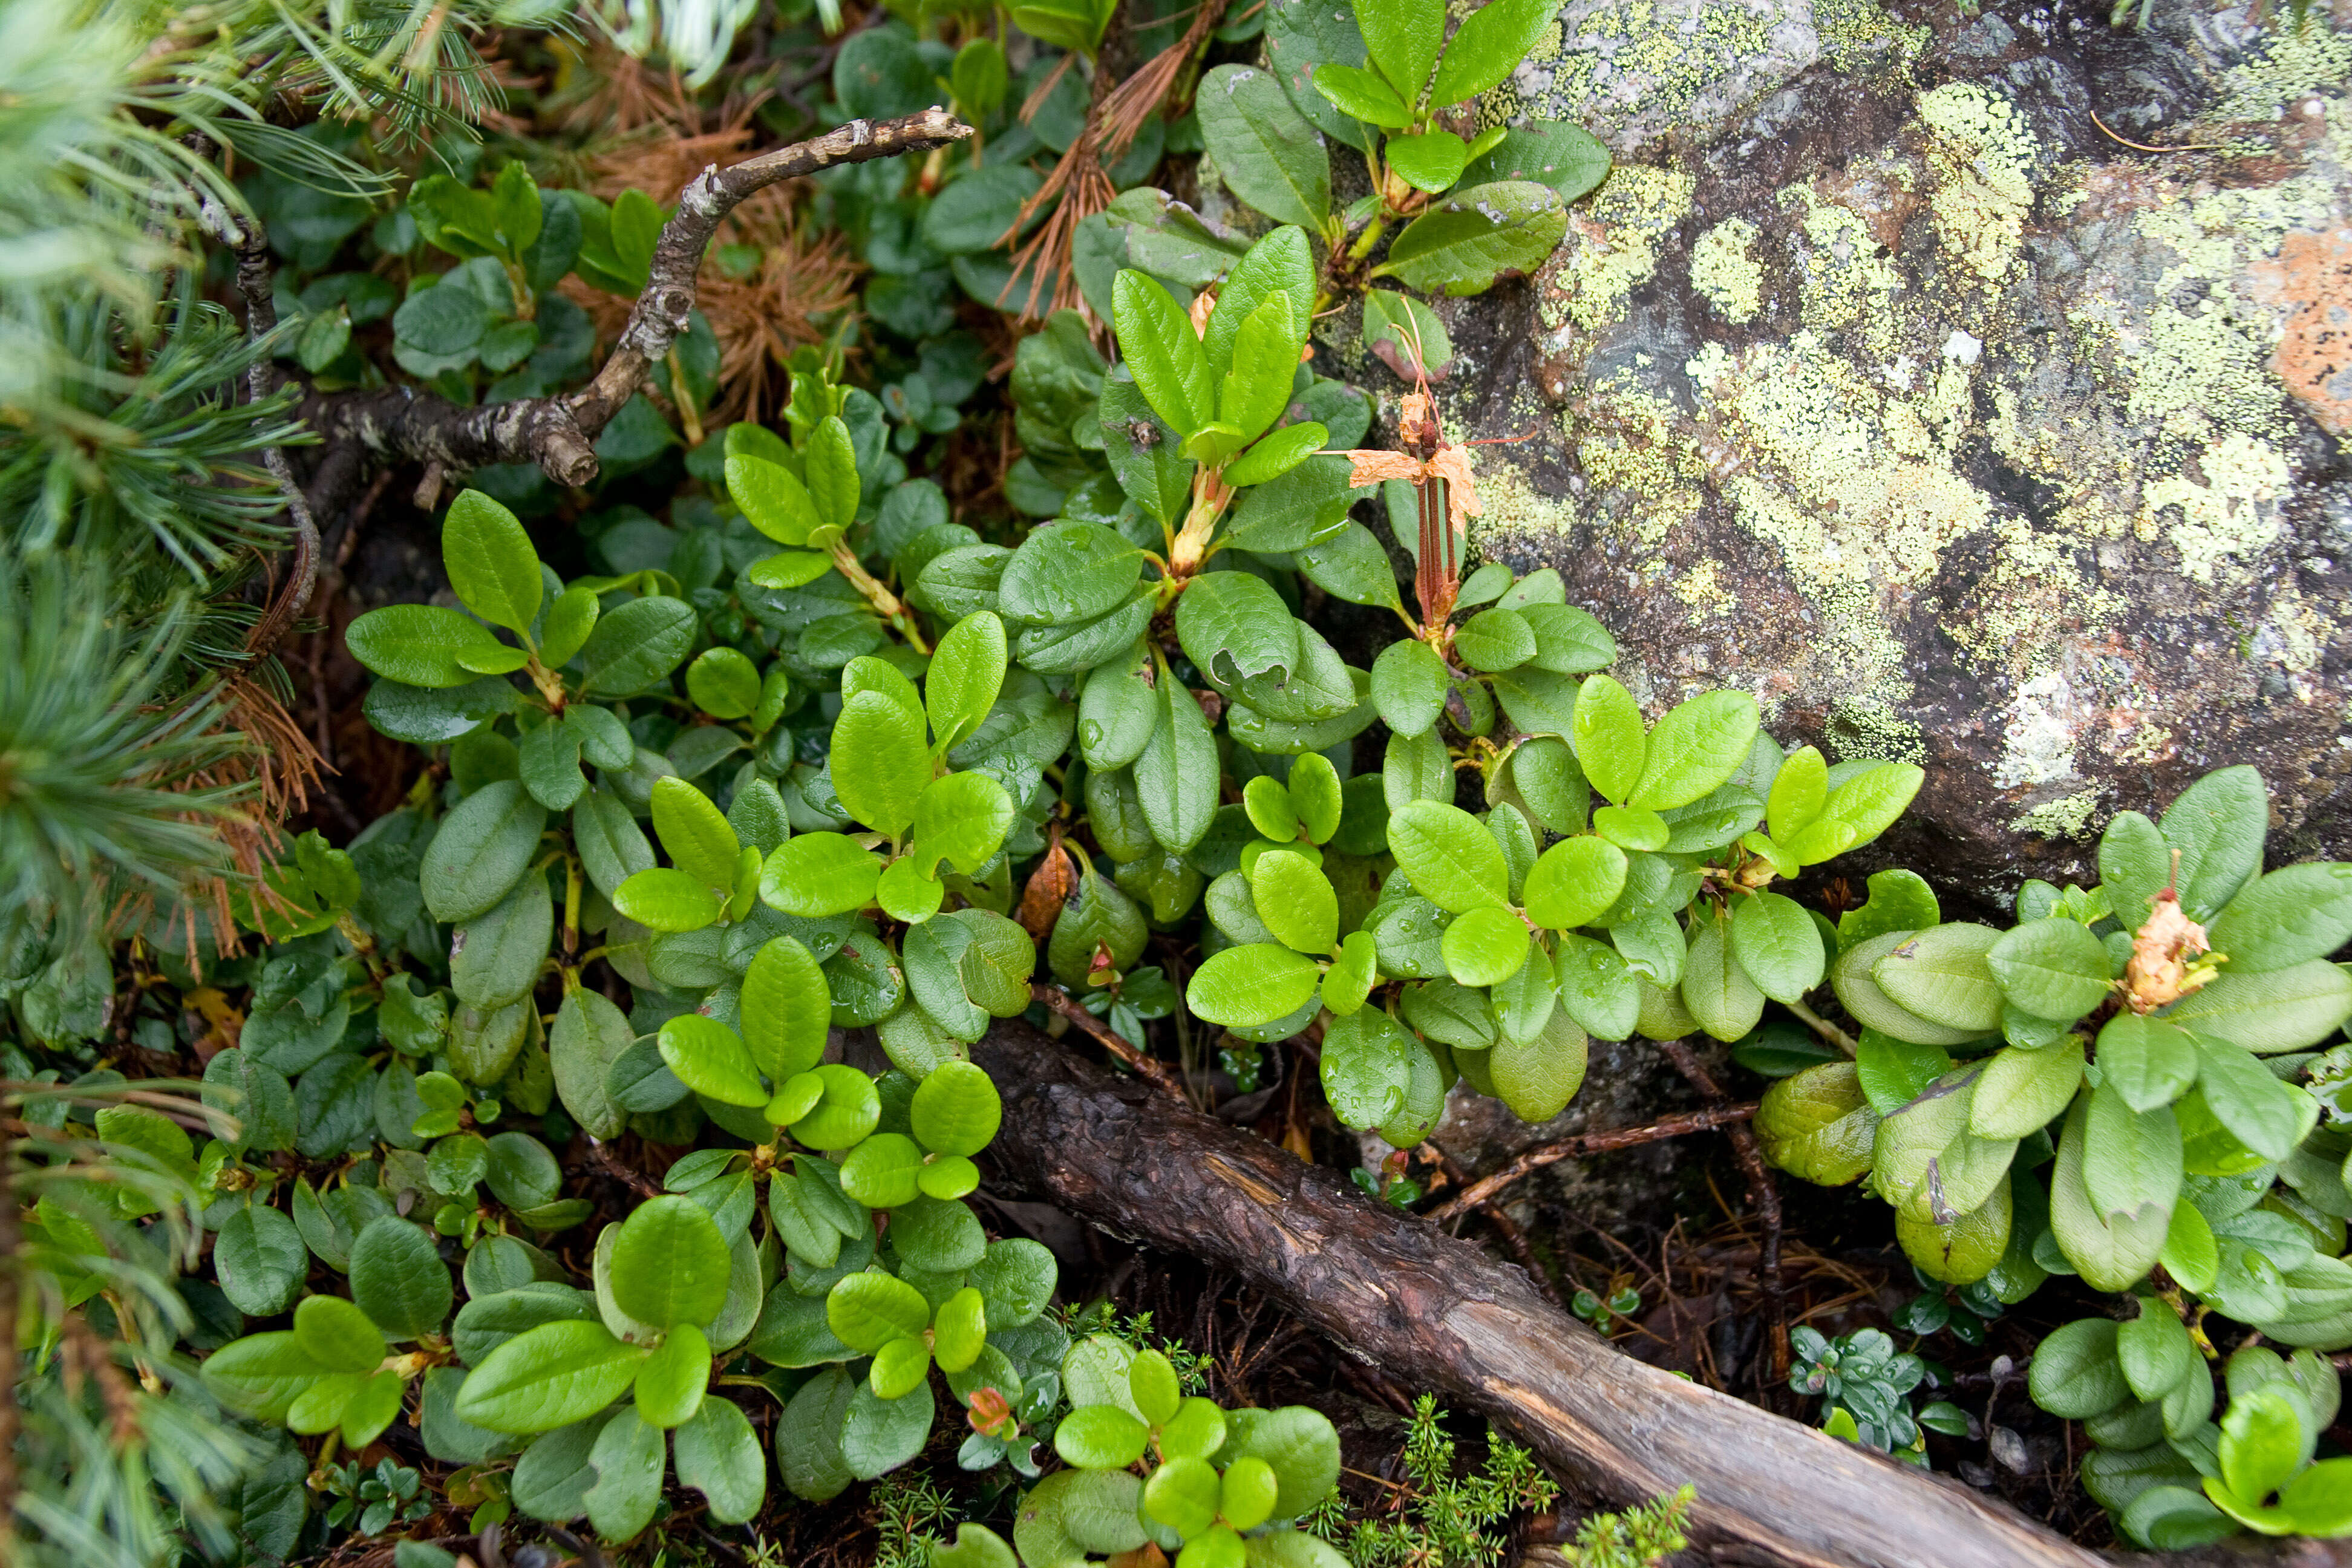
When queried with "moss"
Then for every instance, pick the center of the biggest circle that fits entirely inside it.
(1723, 271)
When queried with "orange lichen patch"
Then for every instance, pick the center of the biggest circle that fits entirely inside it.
(2314, 278)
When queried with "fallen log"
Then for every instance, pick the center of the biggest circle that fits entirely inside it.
(1438, 1313)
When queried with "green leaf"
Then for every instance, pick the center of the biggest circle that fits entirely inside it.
(1537, 1077)
(398, 1279)
(1898, 900)
(1176, 776)
(1317, 795)
(1775, 941)
(490, 562)
(880, 1173)
(1430, 162)
(1403, 41)
(785, 1009)
(1251, 984)
(2267, 1116)
(2051, 968)
(1857, 811)
(2154, 1350)
(1695, 748)
(2289, 917)
(1816, 1124)
(1944, 974)
(1349, 981)
(1574, 881)
(880, 762)
(718, 1454)
(548, 1377)
(1264, 361)
(423, 645)
(1183, 1494)
(1144, 448)
(2263, 1442)
(817, 875)
(1450, 859)
(1301, 1447)
(637, 645)
(1297, 901)
(671, 1381)
(1265, 149)
(2076, 1373)
(1100, 1437)
(627, 1459)
(1487, 47)
(1485, 946)
(723, 683)
(772, 498)
(1631, 829)
(1062, 573)
(963, 819)
(2270, 1011)
(1162, 353)
(1278, 453)
(1494, 639)
(669, 1264)
(2150, 1062)
(665, 900)
(832, 485)
(956, 1110)
(1608, 738)
(848, 1111)
(2217, 824)
(1363, 95)
(1463, 242)
(710, 1058)
(1714, 987)
(2022, 1091)
(1799, 790)
(1568, 158)
(966, 672)
(337, 1336)
(2131, 1159)
(808, 1439)
(868, 1310)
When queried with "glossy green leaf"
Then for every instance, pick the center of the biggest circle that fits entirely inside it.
(669, 1264)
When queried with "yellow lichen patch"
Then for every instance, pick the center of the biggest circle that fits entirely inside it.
(2228, 508)
(1862, 510)
(1855, 34)
(2068, 817)
(1843, 277)
(1614, 249)
(1983, 156)
(2030, 603)
(1702, 588)
(1722, 271)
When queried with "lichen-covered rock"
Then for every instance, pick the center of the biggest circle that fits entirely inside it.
(1885, 379)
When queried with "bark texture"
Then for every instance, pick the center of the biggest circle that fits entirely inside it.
(1438, 1313)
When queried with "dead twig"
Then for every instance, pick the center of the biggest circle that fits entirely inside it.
(1057, 1000)
(558, 433)
(1665, 1127)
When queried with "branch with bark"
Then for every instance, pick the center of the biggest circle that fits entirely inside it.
(558, 433)
(1433, 1312)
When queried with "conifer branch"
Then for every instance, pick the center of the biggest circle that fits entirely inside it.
(558, 433)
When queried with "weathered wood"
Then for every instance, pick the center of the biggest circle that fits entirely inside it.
(1438, 1313)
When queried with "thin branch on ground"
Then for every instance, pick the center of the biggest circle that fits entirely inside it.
(1506, 1227)
(1054, 999)
(1586, 1143)
(558, 432)
(1762, 1192)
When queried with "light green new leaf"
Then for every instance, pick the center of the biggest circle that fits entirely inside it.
(1487, 47)
(1694, 748)
(816, 875)
(785, 1009)
(1256, 387)
(1251, 984)
(1295, 900)
(548, 1377)
(695, 832)
(967, 671)
(1608, 738)
(1450, 859)
(711, 1060)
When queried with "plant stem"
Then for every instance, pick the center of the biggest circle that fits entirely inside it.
(1823, 1027)
(887, 605)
